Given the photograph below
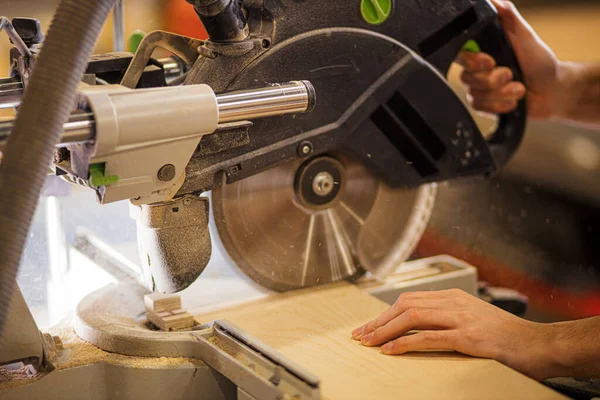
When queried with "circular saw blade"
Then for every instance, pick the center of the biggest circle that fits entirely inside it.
(283, 245)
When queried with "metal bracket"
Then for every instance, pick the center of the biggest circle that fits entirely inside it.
(271, 374)
(22, 339)
(182, 46)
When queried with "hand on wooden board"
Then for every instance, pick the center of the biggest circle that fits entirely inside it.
(455, 320)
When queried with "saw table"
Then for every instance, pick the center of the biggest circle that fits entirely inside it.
(309, 331)
(279, 344)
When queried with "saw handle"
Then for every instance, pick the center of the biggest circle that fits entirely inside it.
(511, 127)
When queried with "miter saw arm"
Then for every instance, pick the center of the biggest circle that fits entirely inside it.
(123, 143)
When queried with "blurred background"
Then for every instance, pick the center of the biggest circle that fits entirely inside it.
(534, 228)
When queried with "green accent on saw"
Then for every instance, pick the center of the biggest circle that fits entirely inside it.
(472, 46)
(375, 12)
(135, 39)
(97, 178)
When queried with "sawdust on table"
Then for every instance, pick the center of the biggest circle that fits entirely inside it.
(223, 346)
(77, 352)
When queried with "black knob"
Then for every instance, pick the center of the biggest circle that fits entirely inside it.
(224, 20)
(29, 29)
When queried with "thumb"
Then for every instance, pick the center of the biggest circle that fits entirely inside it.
(525, 41)
(512, 21)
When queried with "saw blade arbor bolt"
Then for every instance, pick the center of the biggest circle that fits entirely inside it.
(319, 182)
(166, 173)
(323, 184)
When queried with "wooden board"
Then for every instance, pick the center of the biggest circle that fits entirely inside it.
(313, 329)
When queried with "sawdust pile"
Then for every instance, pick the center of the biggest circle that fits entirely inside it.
(77, 352)
(223, 346)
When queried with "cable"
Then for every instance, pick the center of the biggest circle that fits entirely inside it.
(47, 104)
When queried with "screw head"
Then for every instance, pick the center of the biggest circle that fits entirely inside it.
(305, 148)
(166, 173)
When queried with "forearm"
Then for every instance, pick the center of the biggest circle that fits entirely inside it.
(575, 349)
(580, 98)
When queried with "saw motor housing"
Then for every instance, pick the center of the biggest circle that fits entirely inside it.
(383, 98)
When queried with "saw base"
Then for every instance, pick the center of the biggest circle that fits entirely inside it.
(137, 361)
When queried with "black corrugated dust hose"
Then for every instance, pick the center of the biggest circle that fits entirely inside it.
(49, 99)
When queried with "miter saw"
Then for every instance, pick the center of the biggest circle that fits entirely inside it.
(319, 129)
